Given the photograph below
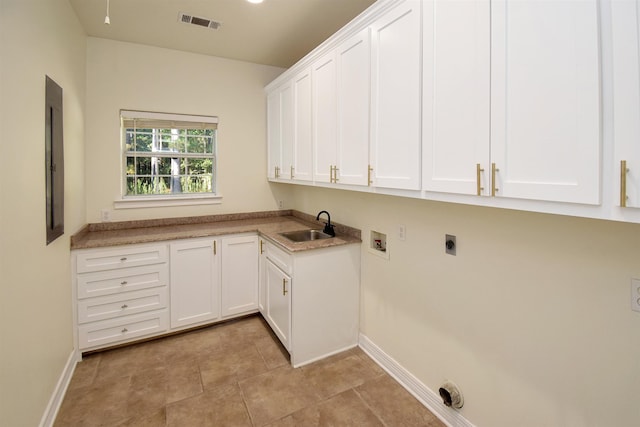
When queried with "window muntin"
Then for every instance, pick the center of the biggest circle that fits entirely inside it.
(168, 154)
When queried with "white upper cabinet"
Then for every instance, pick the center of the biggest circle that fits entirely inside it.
(302, 144)
(353, 101)
(395, 97)
(545, 100)
(456, 67)
(341, 89)
(324, 117)
(281, 134)
(274, 161)
(625, 16)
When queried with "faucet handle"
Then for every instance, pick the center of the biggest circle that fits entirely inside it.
(328, 229)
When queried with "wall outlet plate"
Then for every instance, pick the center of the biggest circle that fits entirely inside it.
(450, 244)
(635, 294)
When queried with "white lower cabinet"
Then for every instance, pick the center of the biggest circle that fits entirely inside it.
(309, 298)
(130, 292)
(312, 300)
(121, 294)
(278, 309)
(195, 282)
(239, 275)
(262, 280)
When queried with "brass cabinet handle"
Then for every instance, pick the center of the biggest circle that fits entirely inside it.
(370, 169)
(125, 330)
(215, 247)
(284, 287)
(124, 282)
(291, 171)
(123, 259)
(479, 188)
(276, 172)
(124, 306)
(623, 183)
(331, 173)
(494, 169)
(335, 174)
(261, 247)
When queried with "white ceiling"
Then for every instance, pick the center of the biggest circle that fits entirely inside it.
(275, 32)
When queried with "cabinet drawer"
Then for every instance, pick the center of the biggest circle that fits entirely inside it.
(280, 258)
(126, 328)
(123, 280)
(126, 303)
(100, 260)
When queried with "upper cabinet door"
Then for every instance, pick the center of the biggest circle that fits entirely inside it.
(324, 117)
(395, 103)
(456, 121)
(281, 133)
(353, 109)
(287, 130)
(625, 17)
(545, 100)
(302, 145)
(274, 161)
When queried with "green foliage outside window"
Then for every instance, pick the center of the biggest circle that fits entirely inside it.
(169, 161)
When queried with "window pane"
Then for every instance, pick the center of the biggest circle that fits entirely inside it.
(129, 138)
(143, 166)
(200, 166)
(144, 185)
(144, 141)
(131, 186)
(164, 165)
(196, 184)
(164, 185)
(131, 165)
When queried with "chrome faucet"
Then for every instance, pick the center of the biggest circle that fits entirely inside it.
(328, 228)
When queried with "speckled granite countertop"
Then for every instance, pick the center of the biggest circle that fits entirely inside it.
(269, 224)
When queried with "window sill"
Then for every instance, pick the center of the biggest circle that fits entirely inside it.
(161, 202)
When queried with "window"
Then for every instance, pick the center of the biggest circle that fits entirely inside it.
(168, 154)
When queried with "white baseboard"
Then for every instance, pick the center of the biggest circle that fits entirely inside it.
(424, 394)
(57, 396)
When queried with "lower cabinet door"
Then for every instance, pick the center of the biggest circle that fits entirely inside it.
(195, 278)
(122, 329)
(239, 271)
(278, 313)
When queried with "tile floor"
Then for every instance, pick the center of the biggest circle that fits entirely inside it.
(233, 374)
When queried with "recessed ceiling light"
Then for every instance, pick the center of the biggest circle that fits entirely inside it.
(255, 1)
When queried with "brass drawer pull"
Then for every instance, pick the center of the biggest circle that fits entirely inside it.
(479, 188)
(623, 183)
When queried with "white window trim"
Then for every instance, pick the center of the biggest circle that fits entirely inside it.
(167, 201)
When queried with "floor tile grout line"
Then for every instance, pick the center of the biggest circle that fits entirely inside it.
(375, 413)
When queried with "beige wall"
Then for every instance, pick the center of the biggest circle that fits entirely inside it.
(37, 38)
(130, 76)
(531, 319)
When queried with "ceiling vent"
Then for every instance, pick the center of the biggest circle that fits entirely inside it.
(201, 22)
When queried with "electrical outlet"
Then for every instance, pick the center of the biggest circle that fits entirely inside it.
(635, 294)
(402, 232)
(105, 214)
(450, 244)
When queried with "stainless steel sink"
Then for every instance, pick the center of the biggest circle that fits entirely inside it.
(305, 235)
